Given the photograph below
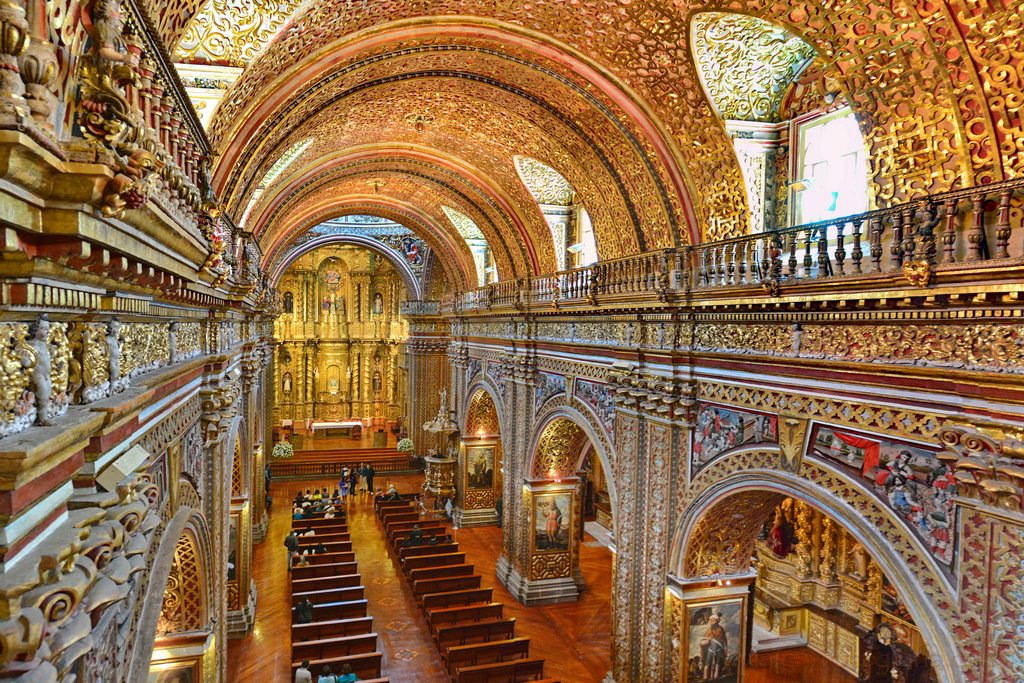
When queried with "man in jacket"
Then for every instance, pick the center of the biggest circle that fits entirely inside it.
(291, 542)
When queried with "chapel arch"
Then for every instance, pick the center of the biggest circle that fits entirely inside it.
(480, 478)
(801, 559)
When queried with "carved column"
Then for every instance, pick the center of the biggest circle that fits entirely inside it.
(263, 432)
(219, 399)
(428, 374)
(652, 416)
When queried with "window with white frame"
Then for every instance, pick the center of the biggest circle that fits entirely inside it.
(832, 178)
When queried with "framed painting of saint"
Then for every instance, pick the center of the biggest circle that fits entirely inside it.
(714, 641)
(552, 522)
(479, 467)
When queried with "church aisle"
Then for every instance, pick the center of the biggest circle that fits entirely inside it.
(409, 653)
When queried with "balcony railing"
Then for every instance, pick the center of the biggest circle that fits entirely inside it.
(953, 233)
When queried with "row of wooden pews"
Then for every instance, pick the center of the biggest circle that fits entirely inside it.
(340, 632)
(475, 640)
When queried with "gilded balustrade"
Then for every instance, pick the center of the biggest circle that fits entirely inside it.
(957, 234)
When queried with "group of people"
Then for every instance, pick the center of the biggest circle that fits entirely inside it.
(355, 480)
(304, 675)
(312, 503)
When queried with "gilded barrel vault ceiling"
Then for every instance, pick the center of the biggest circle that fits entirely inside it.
(746, 64)
(486, 122)
(936, 87)
(421, 188)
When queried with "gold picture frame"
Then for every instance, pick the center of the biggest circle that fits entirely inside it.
(714, 640)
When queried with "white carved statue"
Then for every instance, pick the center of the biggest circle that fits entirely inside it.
(114, 352)
(42, 382)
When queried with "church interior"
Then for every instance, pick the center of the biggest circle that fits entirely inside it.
(566, 340)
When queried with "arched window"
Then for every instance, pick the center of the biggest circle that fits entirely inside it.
(486, 272)
(832, 176)
(572, 233)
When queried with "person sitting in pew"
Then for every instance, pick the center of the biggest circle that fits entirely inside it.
(327, 676)
(303, 561)
(302, 674)
(304, 612)
(432, 540)
(393, 494)
(346, 675)
(320, 548)
(328, 515)
(296, 513)
(415, 537)
(308, 532)
(330, 508)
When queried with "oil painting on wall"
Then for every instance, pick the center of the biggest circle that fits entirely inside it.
(714, 641)
(911, 480)
(551, 522)
(480, 467)
(720, 429)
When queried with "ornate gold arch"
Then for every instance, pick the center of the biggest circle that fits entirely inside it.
(186, 600)
(482, 415)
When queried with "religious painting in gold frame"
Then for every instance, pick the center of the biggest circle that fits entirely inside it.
(552, 522)
(480, 467)
(714, 638)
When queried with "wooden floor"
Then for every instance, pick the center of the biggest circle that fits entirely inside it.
(574, 638)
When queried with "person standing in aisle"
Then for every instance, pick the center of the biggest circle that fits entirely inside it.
(369, 471)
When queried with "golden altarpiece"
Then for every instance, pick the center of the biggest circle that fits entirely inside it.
(341, 338)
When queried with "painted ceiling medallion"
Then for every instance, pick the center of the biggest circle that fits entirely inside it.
(418, 120)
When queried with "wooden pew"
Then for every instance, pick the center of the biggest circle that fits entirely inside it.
(452, 616)
(380, 502)
(332, 547)
(415, 550)
(331, 629)
(421, 561)
(477, 632)
(315, 571)
(325, 538)
(461, 656)
(401, 517)
(334, 647)
(444, 585)
(396, 536)
(394, 508)
(365, 666)
(440, 572)
(529, 669)
(337, 610)
(327, 558)
(457, 598)
(317, 524)
(323, 582)
(327, 595)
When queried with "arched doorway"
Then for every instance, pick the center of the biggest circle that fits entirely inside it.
(480, 476)
(778, 585)
(182, 650)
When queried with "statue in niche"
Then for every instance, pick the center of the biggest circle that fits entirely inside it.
(339, 305)
(42, 381)
(326, 304)
(289, 302)
(378, 304)
(286, 383)
(172, 342)
(860, 561)
(114, 354)
(782, 537)
(376, 382)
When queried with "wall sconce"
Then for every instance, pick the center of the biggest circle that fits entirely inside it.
(799, 185)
